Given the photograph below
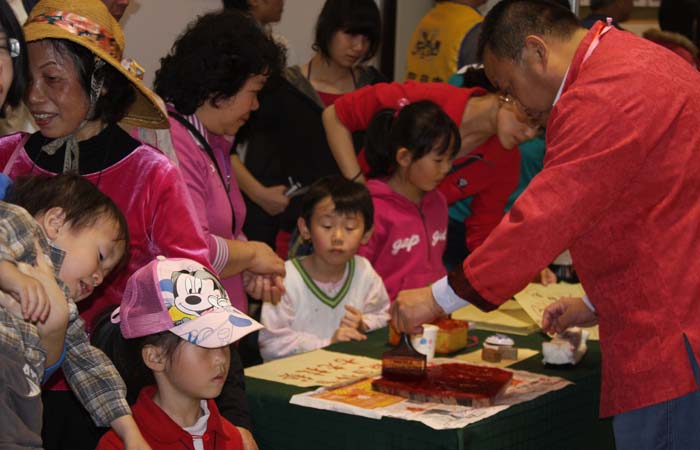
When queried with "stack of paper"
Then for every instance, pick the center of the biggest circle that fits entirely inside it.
(523, 315)
(510, 318)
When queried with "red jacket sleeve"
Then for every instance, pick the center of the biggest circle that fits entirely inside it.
(588, 164)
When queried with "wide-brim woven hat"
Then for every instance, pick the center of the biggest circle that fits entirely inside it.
(88, 23)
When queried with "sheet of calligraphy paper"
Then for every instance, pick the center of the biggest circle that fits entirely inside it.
(316, 368)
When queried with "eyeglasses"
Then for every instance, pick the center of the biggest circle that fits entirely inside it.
(524, 116)
(11, 45)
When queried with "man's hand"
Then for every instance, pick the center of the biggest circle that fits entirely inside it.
(345, 334)
(413, 308)
(567, 312)
(248, 439)
(29, 291)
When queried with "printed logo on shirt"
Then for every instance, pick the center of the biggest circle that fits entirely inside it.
(428, 44)
(439, 236)
(405, 244)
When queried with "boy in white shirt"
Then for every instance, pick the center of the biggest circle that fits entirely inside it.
(333, 294)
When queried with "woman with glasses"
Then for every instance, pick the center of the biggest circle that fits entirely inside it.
(485, 167)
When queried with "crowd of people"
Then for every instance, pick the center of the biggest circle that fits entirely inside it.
(155, 242)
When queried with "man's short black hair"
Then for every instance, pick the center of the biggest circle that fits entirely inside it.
(351, 16)
(510, 21)
(348, 197)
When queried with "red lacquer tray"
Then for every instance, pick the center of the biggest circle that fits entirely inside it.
(452, 383)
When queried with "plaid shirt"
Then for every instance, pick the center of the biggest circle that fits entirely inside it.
(89, 372)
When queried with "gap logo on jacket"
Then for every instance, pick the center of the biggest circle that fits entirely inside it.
(408, 240)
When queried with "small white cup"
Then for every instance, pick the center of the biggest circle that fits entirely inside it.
(425, 343)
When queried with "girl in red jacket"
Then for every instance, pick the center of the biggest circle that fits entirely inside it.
(409, 151)
(175, 325)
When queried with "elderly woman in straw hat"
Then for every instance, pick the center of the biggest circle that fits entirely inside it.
(79, 88)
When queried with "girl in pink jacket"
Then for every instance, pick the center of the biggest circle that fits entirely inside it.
(409, 150)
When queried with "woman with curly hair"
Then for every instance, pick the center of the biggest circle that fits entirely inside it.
(210, 81)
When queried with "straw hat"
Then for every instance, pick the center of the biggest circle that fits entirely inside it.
(89, 24)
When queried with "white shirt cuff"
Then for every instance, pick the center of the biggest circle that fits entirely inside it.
(588, 303)
(446, 297)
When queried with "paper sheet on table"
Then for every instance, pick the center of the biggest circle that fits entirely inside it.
(316, 368)
(475, 358)
(536, 297)
(524, 386)
(508, 318)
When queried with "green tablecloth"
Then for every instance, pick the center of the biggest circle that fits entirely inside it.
(565, 419)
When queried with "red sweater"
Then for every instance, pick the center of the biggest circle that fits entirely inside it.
(490, 180)
(620, 188)
(162, 433)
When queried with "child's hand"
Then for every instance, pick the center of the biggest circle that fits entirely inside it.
(248, 439)
(267, 288)
(28, 290)
(545, 277)
(353, 319)
(129, 432)
(345, 334)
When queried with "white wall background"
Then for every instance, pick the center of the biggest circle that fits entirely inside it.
(151, 26)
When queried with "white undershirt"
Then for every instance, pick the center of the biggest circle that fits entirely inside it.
(200, 427)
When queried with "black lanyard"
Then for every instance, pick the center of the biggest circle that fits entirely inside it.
(207, 148)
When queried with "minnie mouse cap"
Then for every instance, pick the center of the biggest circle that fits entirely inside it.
(185, 298)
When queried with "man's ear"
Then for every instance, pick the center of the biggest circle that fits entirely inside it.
(404, 157)
(535, 53)
(153, 358)
(367, 236)
(53, 221)
(304, 231)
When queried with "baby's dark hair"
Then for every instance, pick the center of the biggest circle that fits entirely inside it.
(420, 127)
(80, 200)
(348, 197)
(126, 353)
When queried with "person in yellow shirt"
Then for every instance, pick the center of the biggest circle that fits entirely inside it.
(445, 40)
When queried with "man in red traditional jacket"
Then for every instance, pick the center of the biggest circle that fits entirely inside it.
(620, 188)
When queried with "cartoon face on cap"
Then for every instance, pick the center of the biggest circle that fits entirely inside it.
(195, 293)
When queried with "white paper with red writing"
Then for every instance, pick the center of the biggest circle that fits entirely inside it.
(316, 368)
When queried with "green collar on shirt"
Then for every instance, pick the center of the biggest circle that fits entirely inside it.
(311, 284)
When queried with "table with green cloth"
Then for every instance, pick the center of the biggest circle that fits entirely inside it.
(564, 419)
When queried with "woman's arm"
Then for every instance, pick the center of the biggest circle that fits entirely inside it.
(340, 143)
(271, 199)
